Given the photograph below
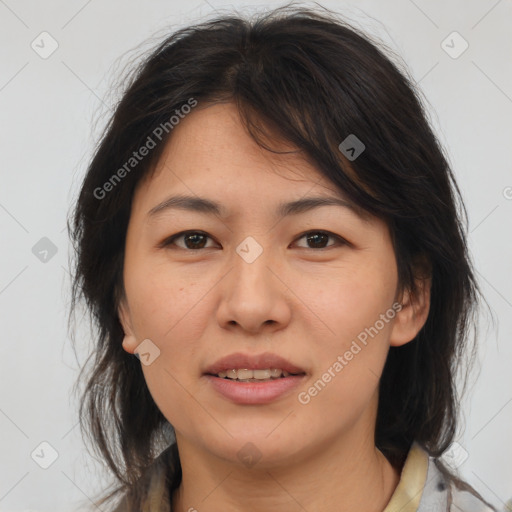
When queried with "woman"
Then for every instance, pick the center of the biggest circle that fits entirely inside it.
(270, 241)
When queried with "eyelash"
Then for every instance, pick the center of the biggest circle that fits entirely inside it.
(170, 240)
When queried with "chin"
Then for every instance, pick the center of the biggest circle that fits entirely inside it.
(257, 451)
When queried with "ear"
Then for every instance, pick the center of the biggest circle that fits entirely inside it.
(130, 340)
(414, 312)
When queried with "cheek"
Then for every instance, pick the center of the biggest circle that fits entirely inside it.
(354, 344)
(172, 311)
(165, 301)
(347, 300)
(349, 362)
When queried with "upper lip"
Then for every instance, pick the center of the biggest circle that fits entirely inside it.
(252, 362)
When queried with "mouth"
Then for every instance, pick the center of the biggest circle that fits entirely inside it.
(254, 386)
(254, 375)
(263, 366)
(250, 379)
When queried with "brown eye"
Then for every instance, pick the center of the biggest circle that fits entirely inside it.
(319, 239)
(196, 240)
(193, 240)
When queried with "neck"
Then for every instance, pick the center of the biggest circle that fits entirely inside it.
(342, 476)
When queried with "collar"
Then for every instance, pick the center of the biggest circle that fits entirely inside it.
(408, 492)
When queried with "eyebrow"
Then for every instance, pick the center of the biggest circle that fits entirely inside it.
(210, 207)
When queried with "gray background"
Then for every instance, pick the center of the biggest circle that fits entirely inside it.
(52, 110)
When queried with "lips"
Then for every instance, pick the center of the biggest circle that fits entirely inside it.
(263, 361)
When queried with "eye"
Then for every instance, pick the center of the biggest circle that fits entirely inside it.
(193, 240)
(318, 239)
(196, 240)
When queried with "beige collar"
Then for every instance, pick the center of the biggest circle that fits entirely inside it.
(407, 495)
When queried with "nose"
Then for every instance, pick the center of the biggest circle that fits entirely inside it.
(254, 295)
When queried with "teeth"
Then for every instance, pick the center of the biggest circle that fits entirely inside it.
(262, 374)
(245, 375)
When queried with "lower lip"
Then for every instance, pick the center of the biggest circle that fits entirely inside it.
(254, 392)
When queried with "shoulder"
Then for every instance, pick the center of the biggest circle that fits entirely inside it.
(444, 492)
(427, 485)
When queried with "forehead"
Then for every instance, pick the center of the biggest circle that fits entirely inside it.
(209, 153)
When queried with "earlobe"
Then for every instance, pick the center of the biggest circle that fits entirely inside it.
(413, 314)
(129, 340)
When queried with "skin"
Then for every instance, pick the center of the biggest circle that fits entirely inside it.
(304, 303)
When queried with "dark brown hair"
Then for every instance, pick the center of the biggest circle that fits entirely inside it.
(314, 79)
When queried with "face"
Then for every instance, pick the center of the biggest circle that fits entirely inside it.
(316, 287)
